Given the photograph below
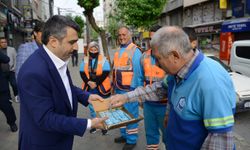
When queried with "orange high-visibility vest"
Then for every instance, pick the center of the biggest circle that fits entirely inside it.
(123, 68)
(152, 73)
(105, 87)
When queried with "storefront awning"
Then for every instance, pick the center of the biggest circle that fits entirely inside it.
(236, 25)
(206, 24)
(208, 27)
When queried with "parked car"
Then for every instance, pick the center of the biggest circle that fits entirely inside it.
(240, 57)
(241, 84)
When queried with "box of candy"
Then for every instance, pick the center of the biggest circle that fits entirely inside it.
(117, 117)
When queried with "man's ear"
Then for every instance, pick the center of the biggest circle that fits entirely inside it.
(53, 42)
(194, 44)
(176, 54)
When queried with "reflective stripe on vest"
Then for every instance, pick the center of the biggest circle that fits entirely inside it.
(153, 147)
(123, 68)
(105, 87)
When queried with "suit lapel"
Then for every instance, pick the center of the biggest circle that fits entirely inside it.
(56, 77)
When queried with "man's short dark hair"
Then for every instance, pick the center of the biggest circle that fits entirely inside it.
(38, 26)
(1, 38)
(154, 28)
(56, 26)
(190, 32)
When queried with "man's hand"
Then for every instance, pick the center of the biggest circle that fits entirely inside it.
(92, 84)
(98, 123)
(118, 100)
(95, 97)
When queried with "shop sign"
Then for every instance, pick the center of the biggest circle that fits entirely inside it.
(238, 25)
(207, 29)
(223, 4)
(145, 35)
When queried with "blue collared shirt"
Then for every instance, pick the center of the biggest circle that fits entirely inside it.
(23, 53)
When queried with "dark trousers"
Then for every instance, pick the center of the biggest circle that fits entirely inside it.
(7, 108)
(10, 77)
(74, 58)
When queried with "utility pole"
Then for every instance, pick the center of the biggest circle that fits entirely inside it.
(58, 11)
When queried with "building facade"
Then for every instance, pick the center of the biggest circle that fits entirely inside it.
(212, 20)
(172, 13)
(108, 9)
(17, 18)
(11, 21)
(235, 27)
(204, 16)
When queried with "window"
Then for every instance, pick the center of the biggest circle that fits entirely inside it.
(243, 52)
(6, 2)
(15, 3)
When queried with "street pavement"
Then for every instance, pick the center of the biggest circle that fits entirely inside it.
(9, 140)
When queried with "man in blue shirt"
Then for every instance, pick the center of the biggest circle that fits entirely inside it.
(26, 49)
(153, 111)
(127, 76)
(201, 94)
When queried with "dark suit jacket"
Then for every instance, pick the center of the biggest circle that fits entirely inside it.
(4, 85)
(47, 121)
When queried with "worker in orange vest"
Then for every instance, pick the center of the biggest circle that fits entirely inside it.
(154, 111)
(94, 71)
(127, 76)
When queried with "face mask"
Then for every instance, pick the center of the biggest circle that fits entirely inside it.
(93, 55)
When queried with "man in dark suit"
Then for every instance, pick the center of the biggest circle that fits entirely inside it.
(5, 105)
(48, 99)
(9, 69)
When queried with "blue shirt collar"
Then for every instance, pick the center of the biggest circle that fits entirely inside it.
(188, 68)
(125, 45)
(195, 64)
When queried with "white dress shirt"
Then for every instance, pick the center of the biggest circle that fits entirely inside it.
(61, 67)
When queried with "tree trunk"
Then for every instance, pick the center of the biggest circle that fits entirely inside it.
(87, 36)
(101, 32)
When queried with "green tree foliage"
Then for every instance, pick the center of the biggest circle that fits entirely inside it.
(89, 6)
(80, 22)
(94, 35)
(139, 13)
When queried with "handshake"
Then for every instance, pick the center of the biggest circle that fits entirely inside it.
(106, 106)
